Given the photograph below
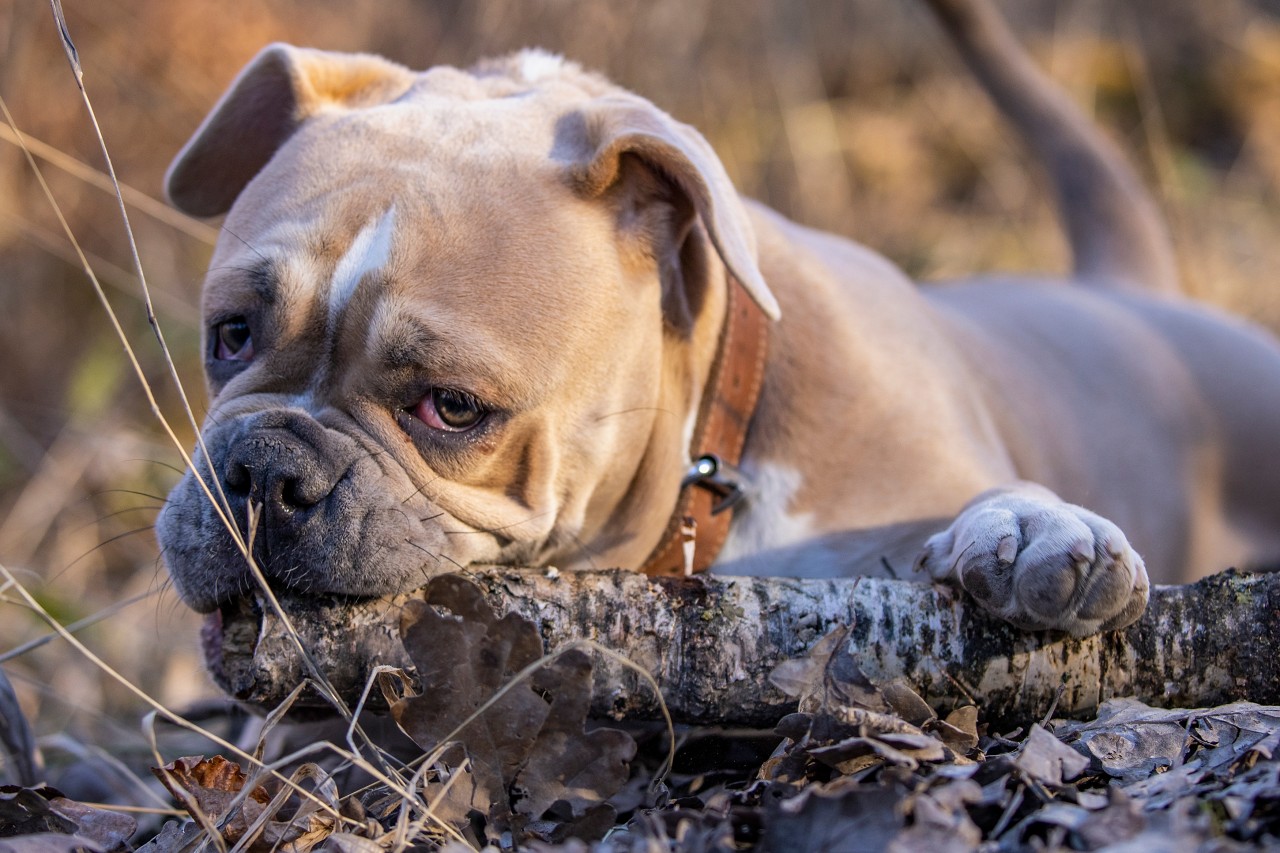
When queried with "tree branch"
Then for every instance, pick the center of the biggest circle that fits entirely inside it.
(711, 641)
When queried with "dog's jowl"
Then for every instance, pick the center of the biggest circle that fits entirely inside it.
(515, 314)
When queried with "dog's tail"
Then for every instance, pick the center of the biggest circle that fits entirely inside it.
(1117, 235)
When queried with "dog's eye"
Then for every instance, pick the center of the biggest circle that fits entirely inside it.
(232, 340)
(449, 410)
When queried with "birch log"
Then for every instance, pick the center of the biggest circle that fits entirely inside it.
(710, 643)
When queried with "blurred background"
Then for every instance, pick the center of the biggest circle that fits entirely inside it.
(850, 115)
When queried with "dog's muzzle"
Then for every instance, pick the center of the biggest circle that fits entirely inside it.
(313, 503)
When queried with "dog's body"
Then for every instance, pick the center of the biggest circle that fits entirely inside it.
(467, 318)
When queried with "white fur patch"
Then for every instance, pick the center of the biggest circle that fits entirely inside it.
(690, 423)
(765, 522)
(537, 64)
(369, 252)
(769, 538)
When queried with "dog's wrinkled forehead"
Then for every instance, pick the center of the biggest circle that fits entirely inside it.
(299, 127)
(435, 151)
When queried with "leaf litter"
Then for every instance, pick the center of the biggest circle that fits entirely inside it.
(517, 759)
(509, 759)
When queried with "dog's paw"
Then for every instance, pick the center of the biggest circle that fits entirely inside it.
(1041, 563)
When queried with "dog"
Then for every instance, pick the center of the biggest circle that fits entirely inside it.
(518, 315)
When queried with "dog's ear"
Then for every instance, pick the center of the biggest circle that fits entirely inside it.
(599, 143)
(280, 89)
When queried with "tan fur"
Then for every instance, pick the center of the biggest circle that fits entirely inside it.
(560, 253)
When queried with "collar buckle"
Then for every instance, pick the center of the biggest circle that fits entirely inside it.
(720, 478)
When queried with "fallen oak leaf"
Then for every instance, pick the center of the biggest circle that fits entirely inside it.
(213, 790)
(525, 742)
(463, 661)
(27, 811)
(43, 818)
(209, 789)
(109, 830)
(569, 764)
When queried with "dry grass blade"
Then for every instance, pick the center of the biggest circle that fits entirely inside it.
(219, 502)
(154, 208)
(319, 680)
(74, 58)
(78, 625)
(123, 337)
(158, 707)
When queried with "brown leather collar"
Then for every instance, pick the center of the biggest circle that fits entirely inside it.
(712, 487)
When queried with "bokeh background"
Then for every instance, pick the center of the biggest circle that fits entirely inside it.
(851, 115)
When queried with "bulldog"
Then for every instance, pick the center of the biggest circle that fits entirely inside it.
(518, 315)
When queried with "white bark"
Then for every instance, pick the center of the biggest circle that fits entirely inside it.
(711, 641)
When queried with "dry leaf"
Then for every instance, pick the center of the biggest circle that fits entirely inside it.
(25, 811)
(959, 730)
(1048, 760)
(17, 743)
(48, 842)
(33, 819)
(175, 837)
(527, 749)
(852, 820)
(107, 829)
(213, 787)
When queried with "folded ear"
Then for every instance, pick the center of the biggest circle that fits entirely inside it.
(597, 141)
(279, 90)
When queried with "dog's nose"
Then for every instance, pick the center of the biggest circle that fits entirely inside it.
(276, 467)
(271, 481)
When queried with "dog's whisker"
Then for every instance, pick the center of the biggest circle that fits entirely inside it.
(134, 492)
(117, 513)
(163, 464)
(104, 543)
(422, 490)
(636, 410)
(426, 551)
(585, 550)
(235, 267)
(247, 245)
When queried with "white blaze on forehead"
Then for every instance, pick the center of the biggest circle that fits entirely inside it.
(369, 252)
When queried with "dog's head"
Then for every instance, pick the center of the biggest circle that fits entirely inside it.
(453, 317)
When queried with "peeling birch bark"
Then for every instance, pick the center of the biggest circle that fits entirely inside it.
(710, 643)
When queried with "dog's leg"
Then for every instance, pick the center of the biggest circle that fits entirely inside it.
(1118, 238)
(1040, 563)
